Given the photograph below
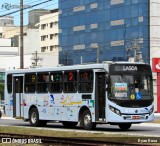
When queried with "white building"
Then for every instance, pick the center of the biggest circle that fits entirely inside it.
(48, 27)
(40, 45)
(6, 52)
(31, 41)
(7, 21)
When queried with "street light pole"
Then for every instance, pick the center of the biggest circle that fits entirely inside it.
(21, 34)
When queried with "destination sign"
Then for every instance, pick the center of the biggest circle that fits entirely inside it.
(126, 68)
(130, 68)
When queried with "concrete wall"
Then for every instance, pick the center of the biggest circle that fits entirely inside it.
(5, 42)
(31, 41)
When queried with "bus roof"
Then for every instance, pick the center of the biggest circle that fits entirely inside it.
(104, 65)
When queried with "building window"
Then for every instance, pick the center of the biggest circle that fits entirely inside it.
(43, 26)
(51, 48)
(51, 36)
(43, 49)
(44, 37)
(51, 24)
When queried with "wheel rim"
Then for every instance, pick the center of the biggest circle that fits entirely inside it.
(87, 119)
(33, 117)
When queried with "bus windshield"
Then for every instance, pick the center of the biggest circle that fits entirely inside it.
(131, 87)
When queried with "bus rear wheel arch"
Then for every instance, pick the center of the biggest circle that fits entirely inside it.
(86, 121)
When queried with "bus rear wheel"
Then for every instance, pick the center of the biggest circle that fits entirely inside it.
(125, 126)
(86, 121)
(34, 117)
(69, 124)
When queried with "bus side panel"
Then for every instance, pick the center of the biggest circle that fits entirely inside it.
(57, 107)
(27, 101)
(71, 113)
(8, 104)
(26, 112)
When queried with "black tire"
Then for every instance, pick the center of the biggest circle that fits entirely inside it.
(68, 124)
(0, 114)
(125, 126)
(86, 121)
(25, 120)
(43, 123)
(34, 117)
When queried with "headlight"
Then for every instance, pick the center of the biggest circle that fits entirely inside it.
(115, 110)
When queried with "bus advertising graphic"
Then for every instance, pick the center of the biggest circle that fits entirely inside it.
(156, 64)
(156, 68)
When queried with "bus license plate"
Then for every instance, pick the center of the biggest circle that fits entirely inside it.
(135, 117)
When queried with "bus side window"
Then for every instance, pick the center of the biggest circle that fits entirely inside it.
(56, 82)
(42, 82)
(9, 83)
(30, 80)
(70, 81)
(85, 81)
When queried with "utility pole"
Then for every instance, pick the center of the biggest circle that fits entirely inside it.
(36, 58)
(21, 34)
(135, 47)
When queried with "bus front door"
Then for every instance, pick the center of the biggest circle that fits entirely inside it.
(100, 96)
(17, 96)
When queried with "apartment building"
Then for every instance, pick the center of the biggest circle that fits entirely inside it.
(49, 32)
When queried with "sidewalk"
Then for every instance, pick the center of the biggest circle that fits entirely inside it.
(157, 114)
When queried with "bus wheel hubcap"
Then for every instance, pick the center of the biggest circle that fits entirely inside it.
(87, 120)
(33, 117)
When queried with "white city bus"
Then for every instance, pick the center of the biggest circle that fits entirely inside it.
(107, 93)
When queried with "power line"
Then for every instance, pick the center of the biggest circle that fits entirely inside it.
(25, 8)
(18, 4)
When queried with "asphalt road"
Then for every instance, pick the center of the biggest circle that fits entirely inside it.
(143, 129)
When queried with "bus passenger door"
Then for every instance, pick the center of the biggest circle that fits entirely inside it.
(17, 96)
(100, 96)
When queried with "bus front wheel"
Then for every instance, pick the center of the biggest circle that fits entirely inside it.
(86, 121)
(34, 117)
(124, 126)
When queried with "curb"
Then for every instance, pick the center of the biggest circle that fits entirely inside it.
(3, 118)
